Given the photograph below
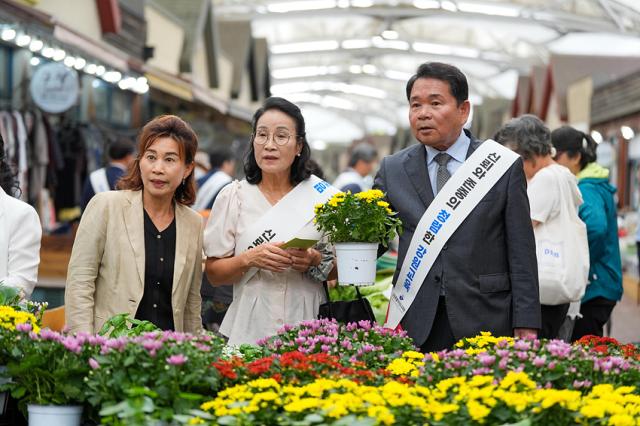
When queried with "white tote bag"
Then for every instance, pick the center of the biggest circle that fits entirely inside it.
(563, 256)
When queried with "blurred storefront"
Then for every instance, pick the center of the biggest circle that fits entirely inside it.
(72, 79)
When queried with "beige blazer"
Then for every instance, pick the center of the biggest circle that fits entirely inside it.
(107, 266)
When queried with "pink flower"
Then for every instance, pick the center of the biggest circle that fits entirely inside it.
(93, 364)
(152, 345)
(485, 359)
(24, 327)
(72, 344)
(539, 361)
(176, 359)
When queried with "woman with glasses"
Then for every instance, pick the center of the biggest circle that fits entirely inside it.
(273, 285)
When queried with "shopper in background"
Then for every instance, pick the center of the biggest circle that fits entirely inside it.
(272, 286)
(139, 250)
(363, 161)
(20, 234)
(215, 299)
(554, 199)
(223, 167)
(121, 156)
(577, 151)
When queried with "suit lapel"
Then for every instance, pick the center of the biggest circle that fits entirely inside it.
(473, 145)
(134, 222)
(182, 245)
(415, 164)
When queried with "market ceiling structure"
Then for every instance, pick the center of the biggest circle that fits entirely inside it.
(354, 57)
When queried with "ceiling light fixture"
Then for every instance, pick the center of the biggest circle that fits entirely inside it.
(294, 6)
(356, 44)
(309, 46)
(627, 132)
(397, 75)
(112, 76)
(35, 61)
(59, 55)
(70, 61)
(597, 136)
(390, 35)
(298, 72)
(381, 43)
(36, 45)
(8, 34)
(23, 40)
(80, 63)
(48, 52)
(361, 3)
(488, 9)
(426, 4)
(369, 69)
(448, 5)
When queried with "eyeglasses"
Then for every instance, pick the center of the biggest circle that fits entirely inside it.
(280, 137)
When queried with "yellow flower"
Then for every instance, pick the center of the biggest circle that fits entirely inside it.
(196, 421)
(382, 204)
(621, 420)
(413, 355)
(478, 411)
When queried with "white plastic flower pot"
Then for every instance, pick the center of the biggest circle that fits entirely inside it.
(356, 263)
(54, 415)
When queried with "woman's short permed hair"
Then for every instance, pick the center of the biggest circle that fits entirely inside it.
(527, 135)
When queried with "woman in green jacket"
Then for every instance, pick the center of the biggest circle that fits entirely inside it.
(577, 151)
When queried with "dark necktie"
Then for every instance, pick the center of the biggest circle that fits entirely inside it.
(443, 174)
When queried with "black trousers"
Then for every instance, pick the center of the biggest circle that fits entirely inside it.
(595, 314)
(440, 337)
(552, 319)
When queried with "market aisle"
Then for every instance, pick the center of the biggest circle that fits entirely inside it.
(625, 320)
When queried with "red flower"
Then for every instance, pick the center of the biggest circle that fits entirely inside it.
(260, 366)
(226, 369)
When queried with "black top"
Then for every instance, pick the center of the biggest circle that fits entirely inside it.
(160, 253)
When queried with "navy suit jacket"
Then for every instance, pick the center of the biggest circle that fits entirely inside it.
(488, 266)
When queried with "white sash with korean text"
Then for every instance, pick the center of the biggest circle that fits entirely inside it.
(453, 203)
(287, 218)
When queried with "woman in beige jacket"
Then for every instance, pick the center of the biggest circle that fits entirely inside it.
(139, 251)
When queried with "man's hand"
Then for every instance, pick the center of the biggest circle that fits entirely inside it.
(525, 333)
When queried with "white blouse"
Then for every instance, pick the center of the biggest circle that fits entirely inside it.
(269, 299)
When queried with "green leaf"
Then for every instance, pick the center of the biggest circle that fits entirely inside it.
(227, 421)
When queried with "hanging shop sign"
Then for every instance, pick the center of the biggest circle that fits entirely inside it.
(54, 87)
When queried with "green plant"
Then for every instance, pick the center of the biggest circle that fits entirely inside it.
(49, 368)
(152, 376)
(363, 217)
(124, 325)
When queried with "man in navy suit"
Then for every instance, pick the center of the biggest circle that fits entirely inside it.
(105, 179)
(485, 278)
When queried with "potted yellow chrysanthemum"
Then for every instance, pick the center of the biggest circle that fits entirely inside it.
(356, 224)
